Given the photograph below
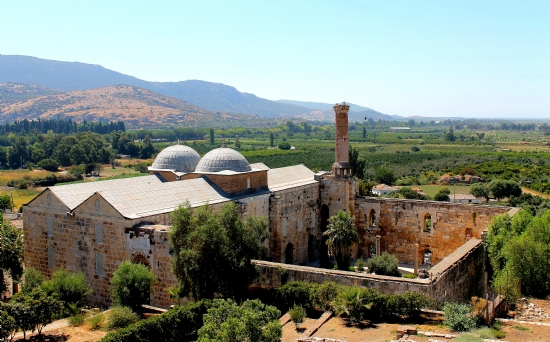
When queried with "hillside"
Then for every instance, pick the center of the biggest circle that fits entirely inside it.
(17, 92)
(135, 106)
(70, 76)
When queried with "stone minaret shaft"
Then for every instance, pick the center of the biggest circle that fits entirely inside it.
(341, 165)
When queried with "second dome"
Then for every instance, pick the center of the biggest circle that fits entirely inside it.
(221, 159)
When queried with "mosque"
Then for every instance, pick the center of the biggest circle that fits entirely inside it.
(92, 227)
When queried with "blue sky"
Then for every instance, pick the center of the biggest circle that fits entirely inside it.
(429, 58)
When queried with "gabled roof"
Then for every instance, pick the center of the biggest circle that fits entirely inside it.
(74, 194)
(289, 177)
(135, 202)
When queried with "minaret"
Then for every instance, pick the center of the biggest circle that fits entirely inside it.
(341, 166)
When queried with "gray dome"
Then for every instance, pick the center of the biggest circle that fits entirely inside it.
(221, 159)
(180, 158)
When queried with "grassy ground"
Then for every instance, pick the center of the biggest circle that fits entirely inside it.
(434, 189)
(21, 197)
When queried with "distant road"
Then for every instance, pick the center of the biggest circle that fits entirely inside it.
(536, 193)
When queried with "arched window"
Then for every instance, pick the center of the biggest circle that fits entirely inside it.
(289, 254)
(99, 268)
(97, 205)
(51, 260)
(372, 218)
(299, 224)
(50, 226)
(98, 233)
(248, 183)
(427, 223)
(284, 227)
(49, 199)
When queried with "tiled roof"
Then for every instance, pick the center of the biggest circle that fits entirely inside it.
(288, 177)
(74, 194)
(135, 202)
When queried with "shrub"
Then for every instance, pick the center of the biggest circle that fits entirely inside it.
(179, 324)
(409, 276)
(295, 293)
(354, 302)
(458, 317)
(132, 285)
(251, 321)
(324, 294)
(297, 315)
(96, 321)
(360, 265)
(76, 320)
(385, 264)
(120, 317)
(71, 288)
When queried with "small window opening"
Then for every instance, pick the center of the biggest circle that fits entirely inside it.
(427, 223)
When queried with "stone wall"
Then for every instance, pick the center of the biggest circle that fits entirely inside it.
(294, 224)
(401, 224)
(456, 278)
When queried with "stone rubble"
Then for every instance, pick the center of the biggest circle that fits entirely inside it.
(317, 339)
(530, 312)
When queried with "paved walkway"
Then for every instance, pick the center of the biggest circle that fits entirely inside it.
(62, 323)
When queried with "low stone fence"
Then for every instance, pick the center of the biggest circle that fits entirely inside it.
(456, 278)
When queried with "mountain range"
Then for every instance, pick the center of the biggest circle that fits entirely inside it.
(51, 78)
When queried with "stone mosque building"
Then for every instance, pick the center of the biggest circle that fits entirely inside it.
(92, 227)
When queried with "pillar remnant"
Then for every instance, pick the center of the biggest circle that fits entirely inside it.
(377, 245)
(341, 166)
(415, 251)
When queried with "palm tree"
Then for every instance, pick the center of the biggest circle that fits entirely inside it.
(341, 235)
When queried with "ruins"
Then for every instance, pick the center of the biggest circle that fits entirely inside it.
(92, 227)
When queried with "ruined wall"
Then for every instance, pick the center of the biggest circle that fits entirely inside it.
(294, 224)
(457, 278)
(401, 224)
(338, 193)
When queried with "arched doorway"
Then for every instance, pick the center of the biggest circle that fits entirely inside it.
(140, 258)
(323, 250)
(289, 254)
(311, 248)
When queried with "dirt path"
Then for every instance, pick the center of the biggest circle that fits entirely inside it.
(535, 193)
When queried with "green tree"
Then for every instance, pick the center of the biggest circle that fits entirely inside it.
(132, 285)
(385, 264)
(48, 164)
(408, 193)
(36, 309)
(211, 136)
(357, 164)
(70, 288)
(443, 195)
(271, 139)
(5, 202)
(11, 252)
(8, 326)
(384, 176)
(147, 149)
(297, 315)
(480, 190)
(213, 250)
(19, 152)
(450, 135)
(504, 188)
(32, 278)
(341, 235)
(284, 146)
(252, 321)
(364, 132)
